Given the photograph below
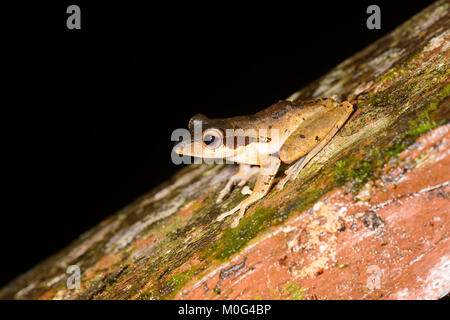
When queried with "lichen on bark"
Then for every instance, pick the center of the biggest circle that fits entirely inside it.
(168, 239)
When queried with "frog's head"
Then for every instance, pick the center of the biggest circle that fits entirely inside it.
(207, 139)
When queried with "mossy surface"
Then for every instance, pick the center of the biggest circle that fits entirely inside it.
(291, 291)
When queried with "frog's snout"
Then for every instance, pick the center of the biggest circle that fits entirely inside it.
(179, 147)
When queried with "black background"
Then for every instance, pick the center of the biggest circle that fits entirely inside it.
(86, 115)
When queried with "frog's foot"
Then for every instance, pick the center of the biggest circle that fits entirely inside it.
(240, 178)
(228, 213)
(291, 173)
(235, 222)
(263, 182)
(270, 167)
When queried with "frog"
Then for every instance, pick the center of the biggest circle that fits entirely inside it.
(291, 132)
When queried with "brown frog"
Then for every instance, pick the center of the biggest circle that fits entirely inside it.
(286, 131)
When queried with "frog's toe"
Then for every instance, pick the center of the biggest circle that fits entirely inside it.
(281, 183)
(238, 218)
(240, 179)
(246, 190)
(228, 213)
(223, 193)
(235, 223)
(290, 176)
(227, 189)
(291, 173)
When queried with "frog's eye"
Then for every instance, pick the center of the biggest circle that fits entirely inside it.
(212, 138)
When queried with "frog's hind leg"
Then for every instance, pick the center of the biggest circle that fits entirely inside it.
(294, 170)
(240, 178)
(268, 169)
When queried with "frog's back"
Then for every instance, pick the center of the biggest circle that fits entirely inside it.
(266, 118)
(279, 115)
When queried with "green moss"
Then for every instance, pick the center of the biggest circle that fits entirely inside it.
(425, 116)
(392, 74)
(360, 172)
(394, 150)
(233, 239)
(169, 288)
(293, 291)
(307, 198)
(178, 281)
(422, 128)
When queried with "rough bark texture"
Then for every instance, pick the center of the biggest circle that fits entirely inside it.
(367, 218)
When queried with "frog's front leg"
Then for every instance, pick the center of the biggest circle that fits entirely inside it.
(240, 178)
(267, 171)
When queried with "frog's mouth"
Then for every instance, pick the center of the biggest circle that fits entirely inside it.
(190, 148)
(197, 149)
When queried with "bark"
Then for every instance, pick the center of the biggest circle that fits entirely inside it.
(367, 218)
